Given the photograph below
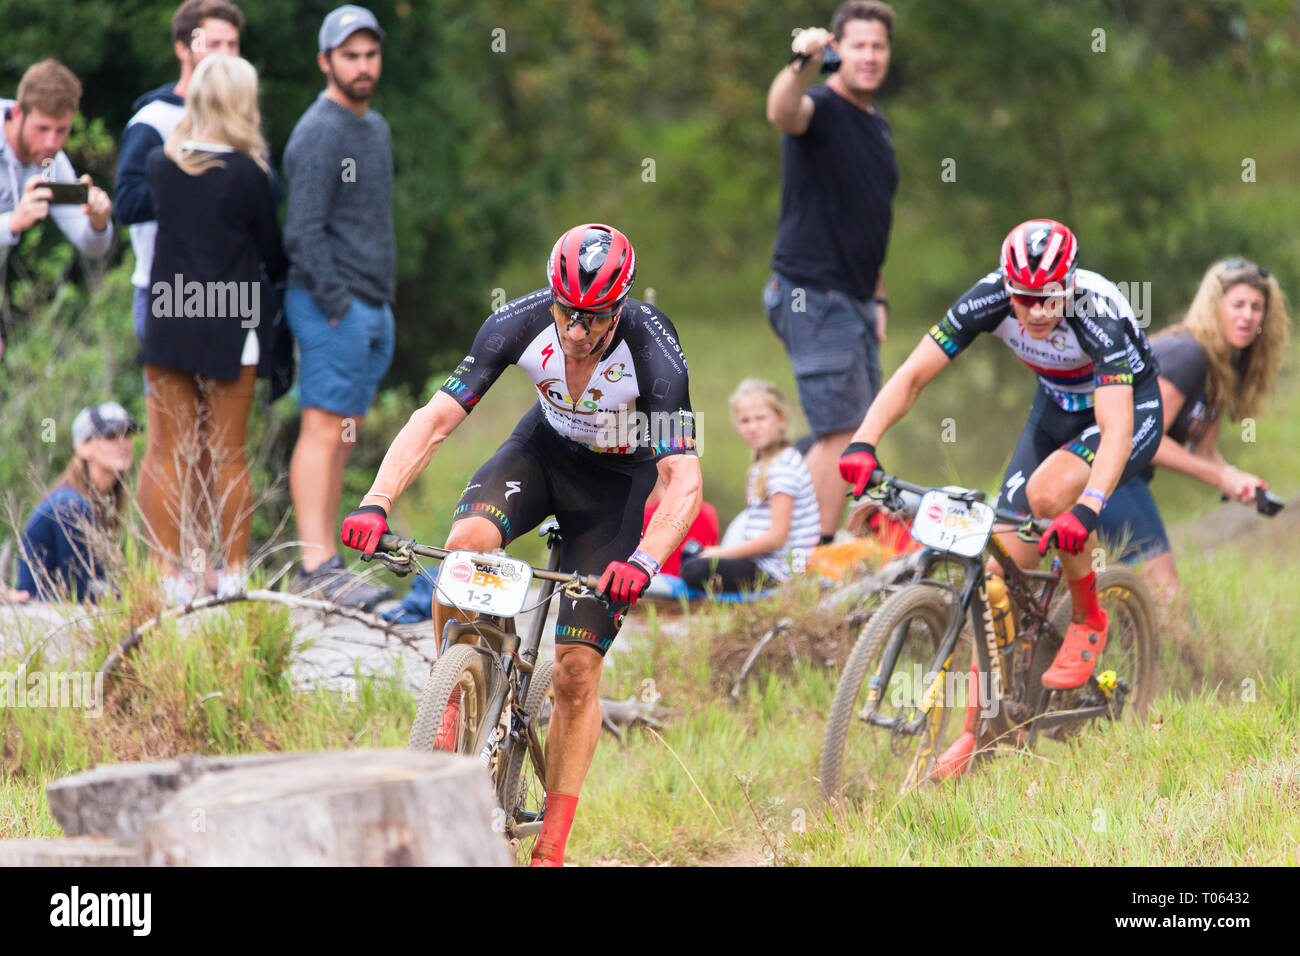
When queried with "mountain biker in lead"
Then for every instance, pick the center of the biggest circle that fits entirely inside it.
(1094, 423)
(598, 360)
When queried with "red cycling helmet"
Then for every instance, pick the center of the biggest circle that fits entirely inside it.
(1040, 254)
(592, 268)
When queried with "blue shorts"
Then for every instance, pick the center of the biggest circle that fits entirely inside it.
(339, 366)
(1131, 516)
(831, 340)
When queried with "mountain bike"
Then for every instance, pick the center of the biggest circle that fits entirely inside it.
(904, 678)
(487, 695)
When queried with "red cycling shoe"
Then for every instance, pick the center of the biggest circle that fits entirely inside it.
(1078, 655)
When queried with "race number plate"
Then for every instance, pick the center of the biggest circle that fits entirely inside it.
(487, 583)
(949, 524)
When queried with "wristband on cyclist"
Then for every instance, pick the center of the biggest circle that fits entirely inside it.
(1096, 493)
(647, 563)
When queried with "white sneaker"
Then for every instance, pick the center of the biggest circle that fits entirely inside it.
(178, 589)
(230, 583)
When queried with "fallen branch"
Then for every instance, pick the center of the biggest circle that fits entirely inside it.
(270, 597)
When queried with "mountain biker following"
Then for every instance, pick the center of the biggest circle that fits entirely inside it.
(599, 360)
(1094, 422)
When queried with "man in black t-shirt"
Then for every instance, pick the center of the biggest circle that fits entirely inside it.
(826, 298)
(613, 415)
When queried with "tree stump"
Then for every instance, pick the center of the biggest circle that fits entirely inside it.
(351, 808)
(70, 851)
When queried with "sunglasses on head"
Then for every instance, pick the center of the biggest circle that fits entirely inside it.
(590, 321)
(1242, 265)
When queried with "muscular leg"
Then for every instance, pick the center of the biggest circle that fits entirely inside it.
(1053, 489)
(823, 461)
(575, 722)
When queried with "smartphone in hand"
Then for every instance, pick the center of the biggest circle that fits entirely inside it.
(68, 194)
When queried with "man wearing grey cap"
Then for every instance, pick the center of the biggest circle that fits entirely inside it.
(62, 536)
(339, 236)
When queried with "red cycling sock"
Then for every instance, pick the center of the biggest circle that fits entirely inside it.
(1084, 594)
(560, 808)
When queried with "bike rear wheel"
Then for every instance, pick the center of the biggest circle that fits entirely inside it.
(460, 672)
(1130, 641)
(523, 790)
(889, 673)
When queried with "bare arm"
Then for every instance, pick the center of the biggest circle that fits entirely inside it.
(683, 490)
(776, 535)
(1114, 410)
(900, 392)
(413, 448)
(789, 107)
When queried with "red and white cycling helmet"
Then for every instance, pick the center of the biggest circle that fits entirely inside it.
(1039, 258)
(592, 268)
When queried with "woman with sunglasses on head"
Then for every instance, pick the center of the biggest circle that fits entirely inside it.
(1094, 422)
(1222, 358)
(63, 539)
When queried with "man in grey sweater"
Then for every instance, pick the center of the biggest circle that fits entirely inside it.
(339, 236)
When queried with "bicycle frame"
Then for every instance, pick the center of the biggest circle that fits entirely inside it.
(1023, 704)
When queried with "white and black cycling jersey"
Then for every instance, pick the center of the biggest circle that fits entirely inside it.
(641, 370)
(1097, 342)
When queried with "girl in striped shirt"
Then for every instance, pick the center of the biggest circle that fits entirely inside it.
(771, 538)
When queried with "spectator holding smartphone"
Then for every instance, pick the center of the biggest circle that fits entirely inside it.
(826, 297)
(37, 124)
(62, 539)
(199, 28)
(208, 330)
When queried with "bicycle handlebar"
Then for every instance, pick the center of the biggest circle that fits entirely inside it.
(392, 544)
(884, 484)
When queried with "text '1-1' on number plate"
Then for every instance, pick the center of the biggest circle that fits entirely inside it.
(487, 583)
(949, 524)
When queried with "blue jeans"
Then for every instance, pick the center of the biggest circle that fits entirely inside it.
(339, 366)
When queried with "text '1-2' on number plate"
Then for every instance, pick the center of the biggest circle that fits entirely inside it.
(487, 583)
(949, 524)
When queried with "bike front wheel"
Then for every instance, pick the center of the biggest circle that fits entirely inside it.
(453, 706)
(893, 673)
(523, 789)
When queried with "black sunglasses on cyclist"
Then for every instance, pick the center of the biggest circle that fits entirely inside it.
(590, 321)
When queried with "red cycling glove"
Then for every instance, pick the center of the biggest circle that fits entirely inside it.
(362, 528)
(857, 465)
(623, 582)
(1070, 529)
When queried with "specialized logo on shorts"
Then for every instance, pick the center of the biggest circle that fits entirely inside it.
(460, 391)
(564, 634)
(512, 489)
(1014, 483)
(483, 508)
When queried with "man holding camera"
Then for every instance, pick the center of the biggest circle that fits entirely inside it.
(826, 298)
(37, 173)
